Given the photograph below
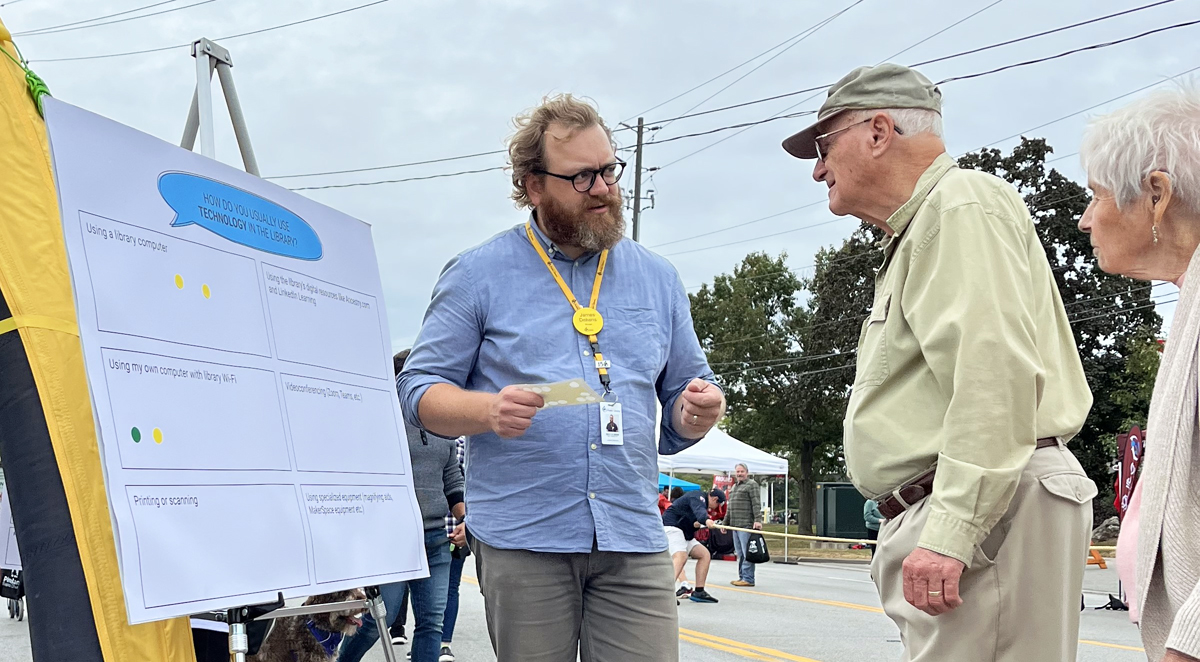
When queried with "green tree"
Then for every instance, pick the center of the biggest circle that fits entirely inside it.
(750, 325)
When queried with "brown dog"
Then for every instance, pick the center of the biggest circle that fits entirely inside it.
(312, 638)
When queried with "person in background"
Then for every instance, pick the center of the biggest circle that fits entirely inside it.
(664, 501)
(1143, 167)
(686, 515)
(458, 556)
(872, 518)
(744, 512)
(438, 482)
(685, 587)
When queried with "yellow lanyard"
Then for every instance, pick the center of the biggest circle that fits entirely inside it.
(587, 321)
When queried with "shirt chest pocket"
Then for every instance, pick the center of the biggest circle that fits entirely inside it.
(633, 339)
(872, 367)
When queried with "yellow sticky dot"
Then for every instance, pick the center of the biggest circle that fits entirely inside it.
(179, 281)
(157, 436)
(207, 292)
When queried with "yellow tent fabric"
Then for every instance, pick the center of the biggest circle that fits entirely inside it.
(37, 285)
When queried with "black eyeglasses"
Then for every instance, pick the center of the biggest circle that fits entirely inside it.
(584, 180)
(824, 143)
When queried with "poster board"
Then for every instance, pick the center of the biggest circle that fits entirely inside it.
(238, 359)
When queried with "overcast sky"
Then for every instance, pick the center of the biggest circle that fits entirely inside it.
(412, 80)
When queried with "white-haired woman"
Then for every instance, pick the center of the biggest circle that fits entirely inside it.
(1143, 167)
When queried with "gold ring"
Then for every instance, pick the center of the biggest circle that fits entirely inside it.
(935, 594)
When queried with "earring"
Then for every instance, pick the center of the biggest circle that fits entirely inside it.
(1154, 229)
(1154, 200)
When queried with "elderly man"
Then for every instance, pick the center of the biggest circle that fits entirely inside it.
(968, 386)
(744, 512)
(569, 547)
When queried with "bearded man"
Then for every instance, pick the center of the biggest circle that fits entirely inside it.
(561, 511)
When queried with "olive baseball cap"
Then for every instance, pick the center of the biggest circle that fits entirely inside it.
(868, 88)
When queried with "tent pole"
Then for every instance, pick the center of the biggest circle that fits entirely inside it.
(786, 514)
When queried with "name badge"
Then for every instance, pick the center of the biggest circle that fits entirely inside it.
(612, 428)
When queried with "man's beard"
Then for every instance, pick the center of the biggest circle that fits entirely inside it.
(577, 226)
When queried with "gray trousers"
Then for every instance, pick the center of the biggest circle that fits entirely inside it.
(607, 606)
(1021, 594)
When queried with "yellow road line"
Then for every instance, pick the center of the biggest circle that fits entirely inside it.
(727, 649)
(690, 635)
(1117, 646)
(851, 605)
(830, 603)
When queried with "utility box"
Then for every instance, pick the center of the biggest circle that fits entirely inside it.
(840, 511)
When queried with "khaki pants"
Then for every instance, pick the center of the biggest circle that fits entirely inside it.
(608, 606)
(1021, 595)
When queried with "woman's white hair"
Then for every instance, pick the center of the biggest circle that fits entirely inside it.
(1160, 132)
(911, 121)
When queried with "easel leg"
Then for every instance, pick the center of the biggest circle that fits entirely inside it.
(239, 641)
(379, 613)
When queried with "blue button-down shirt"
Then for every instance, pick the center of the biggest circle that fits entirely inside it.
(498, 318)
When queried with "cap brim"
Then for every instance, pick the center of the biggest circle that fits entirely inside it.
(803, 145)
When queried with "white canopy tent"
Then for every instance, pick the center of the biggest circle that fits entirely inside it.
(718, 452)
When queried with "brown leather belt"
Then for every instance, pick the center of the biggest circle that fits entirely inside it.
(922, 486)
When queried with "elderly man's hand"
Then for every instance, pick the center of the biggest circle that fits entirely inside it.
(758, 526)
(931, 581)
(459, 537)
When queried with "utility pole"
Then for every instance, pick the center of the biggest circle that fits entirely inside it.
(637, 182)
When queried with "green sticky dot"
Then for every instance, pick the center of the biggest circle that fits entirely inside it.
(137, 435)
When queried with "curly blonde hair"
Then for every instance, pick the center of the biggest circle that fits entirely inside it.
(527, 147)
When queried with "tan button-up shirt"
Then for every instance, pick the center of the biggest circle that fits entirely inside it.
(966, 359)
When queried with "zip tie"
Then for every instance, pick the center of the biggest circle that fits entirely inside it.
(33, 83)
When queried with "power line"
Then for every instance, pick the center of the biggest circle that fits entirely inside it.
(1070, 52)
(70, 27)
(719, 129)
(225, 38)
(398, 181)
(89, 20)
(743, 126)
(945, 29)
(1092, 107)
(1080, 316)
(1047, 32)
(940, 59)
(739, 225)
(714, 78)
(804, 35)
(1032, 210)
(765, 236)
(995, 142)
(394, 165)
(1127, 310)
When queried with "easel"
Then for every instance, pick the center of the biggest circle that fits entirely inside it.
(209, 57)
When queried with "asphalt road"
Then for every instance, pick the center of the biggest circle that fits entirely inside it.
(812, 612)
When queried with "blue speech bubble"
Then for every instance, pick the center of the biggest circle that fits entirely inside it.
(237, 215)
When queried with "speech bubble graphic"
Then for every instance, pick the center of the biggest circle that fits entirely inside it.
(239, 216)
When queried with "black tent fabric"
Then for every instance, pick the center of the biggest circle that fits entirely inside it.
(61, 626)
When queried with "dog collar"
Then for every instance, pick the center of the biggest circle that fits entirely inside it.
(328, 640)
